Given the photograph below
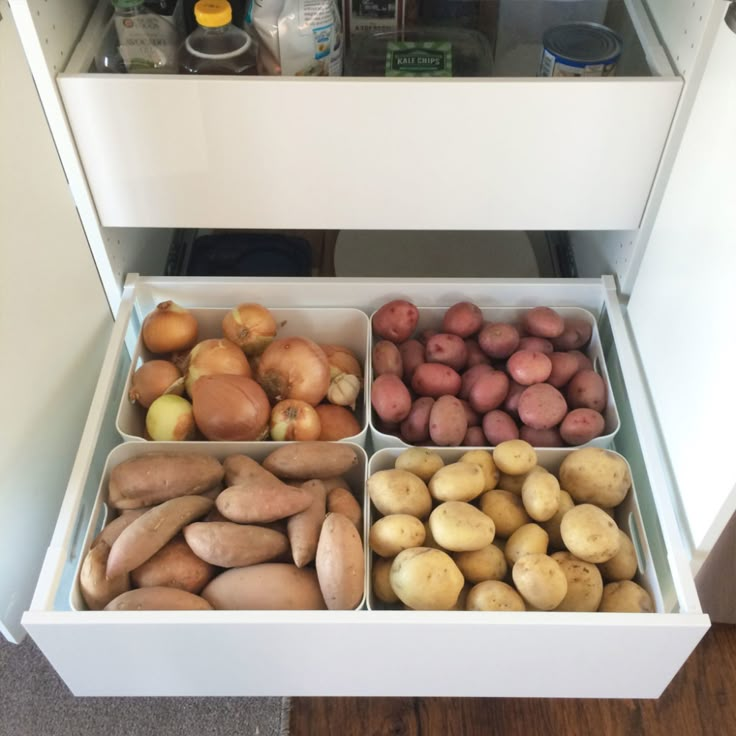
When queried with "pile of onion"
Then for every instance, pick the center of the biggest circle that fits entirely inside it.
(251, 327)
(215, 357)
(293, 419)
(230, 408)
(169, 328)
(153, 379)
(294, 368)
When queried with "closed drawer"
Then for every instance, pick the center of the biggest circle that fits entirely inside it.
(368, 652)
(349, 153)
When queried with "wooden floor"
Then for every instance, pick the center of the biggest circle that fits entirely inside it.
(700, 700)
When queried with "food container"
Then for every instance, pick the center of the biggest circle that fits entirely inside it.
(580, 50)
(102, 513)
(340, 326)
(627, 514)
(432, 317)
(420, 52)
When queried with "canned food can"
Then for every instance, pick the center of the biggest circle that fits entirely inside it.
(579, 50)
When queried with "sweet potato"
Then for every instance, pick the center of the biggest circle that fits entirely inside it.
(115, 528)
(150, 479)
(175, 565)
(390, 398)
(158, 599)
(268, 586)
(225, 544)
(311, 460)
(303, 528)
(97, 589)
(340, 563)
(255, 504)
(341, 501)
(244, 470)
(396, 320)
(151, 531)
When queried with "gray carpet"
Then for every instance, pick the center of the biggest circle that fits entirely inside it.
(35, 702)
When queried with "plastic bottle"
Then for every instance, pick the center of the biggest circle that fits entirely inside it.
(137, 40)
(217, 46)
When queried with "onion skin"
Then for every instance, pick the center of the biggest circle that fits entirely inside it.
(153, 379)
(214, 357)
(337, 422)
(294, 368)
(251, 327)
(230, 408)
(169, 328)
(342, 360)
(293, 419)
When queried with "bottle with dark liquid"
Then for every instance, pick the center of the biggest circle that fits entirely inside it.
(217, 46)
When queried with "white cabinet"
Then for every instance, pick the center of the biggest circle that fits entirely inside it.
(139, 153)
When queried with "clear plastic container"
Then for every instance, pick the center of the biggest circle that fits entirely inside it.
(420, 52)
(137, 40)
(217, 46)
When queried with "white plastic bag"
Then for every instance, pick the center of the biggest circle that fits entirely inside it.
(298, 37)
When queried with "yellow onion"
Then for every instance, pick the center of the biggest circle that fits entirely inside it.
(251, 327)
(213, 357)
(344, 389)
(293, 419)
(168, 328)
(336, 422)
(294, 368)
(342, 360)
(170, 418)
(231, 408)
(153, 379)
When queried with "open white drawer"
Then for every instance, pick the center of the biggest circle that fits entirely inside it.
(526, 153)
(369, 652)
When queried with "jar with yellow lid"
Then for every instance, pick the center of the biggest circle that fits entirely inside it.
(217, 46)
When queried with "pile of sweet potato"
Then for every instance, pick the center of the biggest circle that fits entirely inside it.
(197, 533)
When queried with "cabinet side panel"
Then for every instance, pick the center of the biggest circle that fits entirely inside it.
(54, 322)
(683, 303)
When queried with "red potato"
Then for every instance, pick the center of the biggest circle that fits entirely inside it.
(474, 419)
(447, 349)
(511, 402)
(587, 390)
(543, 322)
(564, 367)
(537, 344)
(475, 355)
(577, 334)
(584, 362)
(528, 367)
(412, 355)
(415, 428)
(436, 379)
(390, 398)
(447, 422)
(470, 376)
(498, 339)
(475, 437)
(581, 426)
(426, 334)
(387, 359)
(541, 437)
(498, 426)
(396, 320)
(489, 391)
(463, 319)
(542, 406)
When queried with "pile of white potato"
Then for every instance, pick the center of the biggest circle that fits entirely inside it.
(494, 531)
